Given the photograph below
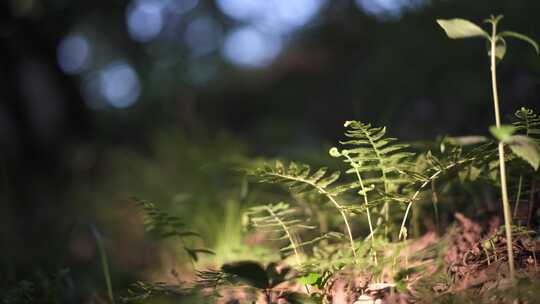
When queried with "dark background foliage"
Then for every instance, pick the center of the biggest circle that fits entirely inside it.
(62, 110)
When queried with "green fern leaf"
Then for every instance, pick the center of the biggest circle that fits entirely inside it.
(164, 226)
(377, 157)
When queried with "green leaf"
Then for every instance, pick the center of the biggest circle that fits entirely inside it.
(461, 28)
(309, 279)
(521, 37)
(526, 148)
(503, 133)
(500, 48)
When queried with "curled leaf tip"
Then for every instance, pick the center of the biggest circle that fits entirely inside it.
(334, 152)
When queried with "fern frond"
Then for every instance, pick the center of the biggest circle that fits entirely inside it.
(377, 156)
(437, 167)
(528, 122)
(163, 225)
(141, 292)
(298, 178)
(378, 161)
(269, 217)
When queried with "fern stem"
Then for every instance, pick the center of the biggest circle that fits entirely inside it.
(502, 165)
(435, 202)
(424, 184)
(289, 236)
(386, 206)
(333, 201)
(366, 202)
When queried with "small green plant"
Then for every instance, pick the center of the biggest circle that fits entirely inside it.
(287, 223)
(104, 262)
(521, 145)
(298, 179)
(164, 226)
(376, 160)
(385, 179)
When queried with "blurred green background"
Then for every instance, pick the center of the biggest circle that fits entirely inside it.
(164, 99)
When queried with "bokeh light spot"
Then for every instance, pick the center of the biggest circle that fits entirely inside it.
(242, 10)
(249, 47)
(74, 53)
(181, 6)
(276, 15)
(119, 84)
(203, 35)
(387, 9)
(145, 19)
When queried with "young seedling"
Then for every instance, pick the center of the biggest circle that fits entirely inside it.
(521, 145)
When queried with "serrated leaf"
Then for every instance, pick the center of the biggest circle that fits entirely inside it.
(461, 28)
(521, 37)
(526, 148)
(502, 133)
(325, 182)
(318, 174)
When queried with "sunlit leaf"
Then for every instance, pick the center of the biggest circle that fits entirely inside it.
(503, 132)
(309, 279)
(461, 28)
(526, 148)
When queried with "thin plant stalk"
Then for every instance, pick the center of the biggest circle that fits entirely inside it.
(334, 202)
(502, 165)
(366, 202)
(428, 181)
(287, 233)
(386, 206)
(435, 202)
(518, 195)
(104, 263)
(531, 202)
(291, 239)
